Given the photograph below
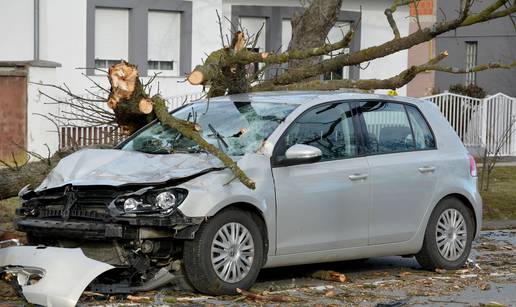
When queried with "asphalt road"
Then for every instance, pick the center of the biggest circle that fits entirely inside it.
(488, 280)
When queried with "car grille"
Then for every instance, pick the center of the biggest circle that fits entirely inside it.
(90, 204)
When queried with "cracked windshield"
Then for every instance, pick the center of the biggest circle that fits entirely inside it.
(234, 127)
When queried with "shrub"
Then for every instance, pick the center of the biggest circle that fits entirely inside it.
(471, 90)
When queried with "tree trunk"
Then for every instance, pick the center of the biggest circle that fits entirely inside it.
(311, 27)
(12, 180)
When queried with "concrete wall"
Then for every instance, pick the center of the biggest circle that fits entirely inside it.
(423, 83)
(40, 131)
(496, 42)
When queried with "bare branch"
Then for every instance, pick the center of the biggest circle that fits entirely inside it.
(388, 13)
(394, 45)
(392, 83)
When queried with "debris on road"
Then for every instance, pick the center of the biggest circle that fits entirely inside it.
(267, 298)
(329, 276)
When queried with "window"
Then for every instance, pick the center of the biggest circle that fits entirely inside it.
(388, 128)
(471, 61)
(336, 34)
(422, 134)
(111, 36)
(328, 127)
(163, 49)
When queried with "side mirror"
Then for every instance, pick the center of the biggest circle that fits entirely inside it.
(301, 154)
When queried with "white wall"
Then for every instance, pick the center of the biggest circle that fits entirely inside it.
(16, 30)
(41, 131)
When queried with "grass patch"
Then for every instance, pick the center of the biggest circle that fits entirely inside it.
(500, 200)
(7, 207)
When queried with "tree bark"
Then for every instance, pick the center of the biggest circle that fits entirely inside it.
(311, 27)
(13, 179)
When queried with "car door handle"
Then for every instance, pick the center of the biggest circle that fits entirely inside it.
(356, 177)
(427, 169)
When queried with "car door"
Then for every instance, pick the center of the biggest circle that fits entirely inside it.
(322, 205)
(403, 169)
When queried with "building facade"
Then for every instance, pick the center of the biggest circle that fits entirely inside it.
(492, 41)
(56, 41)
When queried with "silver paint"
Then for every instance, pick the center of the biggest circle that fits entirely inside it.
(65, 272)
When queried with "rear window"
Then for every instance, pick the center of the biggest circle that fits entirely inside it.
(423, 136)
(395, 127)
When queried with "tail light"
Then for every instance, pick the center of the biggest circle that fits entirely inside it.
(472, 166)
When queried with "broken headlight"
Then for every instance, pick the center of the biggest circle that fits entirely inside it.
(148, 200)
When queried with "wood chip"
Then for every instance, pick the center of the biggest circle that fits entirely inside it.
(330, 276)
(267, 298)
(138, 299)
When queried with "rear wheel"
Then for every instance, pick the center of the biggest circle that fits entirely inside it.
(227, 253)
(448, 236)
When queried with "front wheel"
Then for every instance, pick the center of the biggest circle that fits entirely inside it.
(448, 236)
(227, 253)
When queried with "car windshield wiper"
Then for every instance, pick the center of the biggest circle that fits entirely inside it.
(220, 138)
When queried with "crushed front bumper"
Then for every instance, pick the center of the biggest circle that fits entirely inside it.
(63, 273)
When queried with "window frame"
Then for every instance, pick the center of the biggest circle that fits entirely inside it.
(279, 161)
(138, 31)
(404, 104)
(471, 54)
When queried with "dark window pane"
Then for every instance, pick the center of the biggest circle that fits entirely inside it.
(388, 128)
(112, 62)
(329, 128)
(166, 65)
(423, 135)
(100, 63)
(153, 64)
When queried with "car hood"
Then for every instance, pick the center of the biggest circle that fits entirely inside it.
(119, 167)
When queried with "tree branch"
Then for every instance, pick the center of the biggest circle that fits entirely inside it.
(391, 83)
(393, 45)
(186, 130)
(388, 13)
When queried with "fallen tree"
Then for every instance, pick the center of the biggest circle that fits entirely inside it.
(225, 71)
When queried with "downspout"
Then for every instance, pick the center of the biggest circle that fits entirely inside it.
(36, 30)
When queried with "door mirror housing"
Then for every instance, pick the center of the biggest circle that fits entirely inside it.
(301, 154)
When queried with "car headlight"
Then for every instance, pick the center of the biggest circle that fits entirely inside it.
(166, 200)
(148, 200)
(131, 204)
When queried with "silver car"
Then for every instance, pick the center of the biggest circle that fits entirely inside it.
(338, 176)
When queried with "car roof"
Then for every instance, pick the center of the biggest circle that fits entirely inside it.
(310, 97)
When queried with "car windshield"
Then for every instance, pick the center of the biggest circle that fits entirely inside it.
(234, 127)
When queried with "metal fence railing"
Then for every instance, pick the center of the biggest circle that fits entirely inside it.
(481, 123)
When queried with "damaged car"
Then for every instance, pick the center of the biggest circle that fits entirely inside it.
(338, 176)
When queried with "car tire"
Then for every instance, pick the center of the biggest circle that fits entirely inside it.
(445, 228)
(199, 253)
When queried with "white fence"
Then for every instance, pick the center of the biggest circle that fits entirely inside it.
(481, 123)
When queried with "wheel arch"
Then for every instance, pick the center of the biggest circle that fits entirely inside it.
(258, 217)
(467, 203)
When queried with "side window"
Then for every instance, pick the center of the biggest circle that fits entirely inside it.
(388, 128)
(422, 133)
(328, 127)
